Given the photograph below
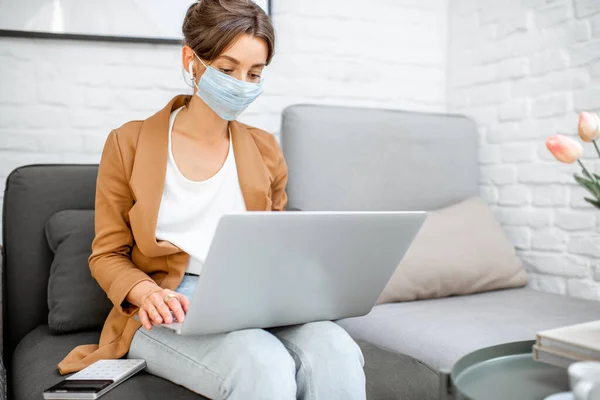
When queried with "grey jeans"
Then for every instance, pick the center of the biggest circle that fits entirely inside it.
(315, 361)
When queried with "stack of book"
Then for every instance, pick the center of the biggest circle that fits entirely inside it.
(564, 346)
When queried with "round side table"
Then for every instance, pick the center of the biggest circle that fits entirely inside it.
(506, 371)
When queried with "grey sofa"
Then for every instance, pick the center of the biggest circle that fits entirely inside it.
(339, 159)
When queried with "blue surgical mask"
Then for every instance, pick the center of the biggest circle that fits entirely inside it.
(227, 96)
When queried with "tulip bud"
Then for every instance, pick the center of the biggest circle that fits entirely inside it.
(589, 127)
(565, 149)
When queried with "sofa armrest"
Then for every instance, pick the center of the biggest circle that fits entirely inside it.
(392, 375)
(2, 295)
(3, 382)
(446, 387)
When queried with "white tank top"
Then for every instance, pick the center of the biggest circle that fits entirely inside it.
(190, 211)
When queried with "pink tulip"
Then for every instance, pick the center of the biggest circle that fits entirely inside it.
(589, 127)
(565, 149)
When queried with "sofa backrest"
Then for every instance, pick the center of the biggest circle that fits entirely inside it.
(32, 195)
(348, 159)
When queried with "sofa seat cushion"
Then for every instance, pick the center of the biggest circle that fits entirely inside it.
(34, 369)
(389, 375)
(440, 331)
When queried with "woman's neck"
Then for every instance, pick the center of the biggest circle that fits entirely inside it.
(198, 121)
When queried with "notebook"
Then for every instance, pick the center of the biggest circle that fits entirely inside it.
(552, 357)
(576, 343)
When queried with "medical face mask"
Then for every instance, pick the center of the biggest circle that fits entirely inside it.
(225, 95)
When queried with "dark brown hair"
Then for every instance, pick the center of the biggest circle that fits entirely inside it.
(211, 26)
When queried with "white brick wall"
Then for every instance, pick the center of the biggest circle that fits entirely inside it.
(59, 99)
(524, 69)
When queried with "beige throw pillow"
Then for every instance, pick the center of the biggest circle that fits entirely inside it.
(460, 249)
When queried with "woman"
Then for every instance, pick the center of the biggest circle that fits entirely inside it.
(163, 184)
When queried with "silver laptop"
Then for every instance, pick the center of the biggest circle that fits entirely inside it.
(269, 269)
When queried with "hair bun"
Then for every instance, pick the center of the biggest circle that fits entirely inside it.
(203, 26)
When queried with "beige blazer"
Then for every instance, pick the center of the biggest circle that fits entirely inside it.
(128, 194)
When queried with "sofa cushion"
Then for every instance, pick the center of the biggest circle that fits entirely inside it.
(389, 375)
(75, 300)
(460, 249)
(440, 331)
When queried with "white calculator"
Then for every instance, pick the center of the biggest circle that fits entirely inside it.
(95, 380)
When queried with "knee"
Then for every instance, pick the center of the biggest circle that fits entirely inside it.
(267, 360)
(330, 363)
(327, 342)
(262, 368)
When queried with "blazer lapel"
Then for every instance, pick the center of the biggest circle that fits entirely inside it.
(252, 171)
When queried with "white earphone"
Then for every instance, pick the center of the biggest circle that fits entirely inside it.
(191, 69)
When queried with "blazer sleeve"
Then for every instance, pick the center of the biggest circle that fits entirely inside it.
(278, 194)
(110, 262)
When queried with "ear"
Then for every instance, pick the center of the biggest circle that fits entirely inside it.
(187, 59)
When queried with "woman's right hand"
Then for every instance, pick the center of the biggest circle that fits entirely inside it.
(150, 298)
(155, 310)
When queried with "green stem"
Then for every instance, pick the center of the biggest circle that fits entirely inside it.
(596, 146)
(586, 172)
